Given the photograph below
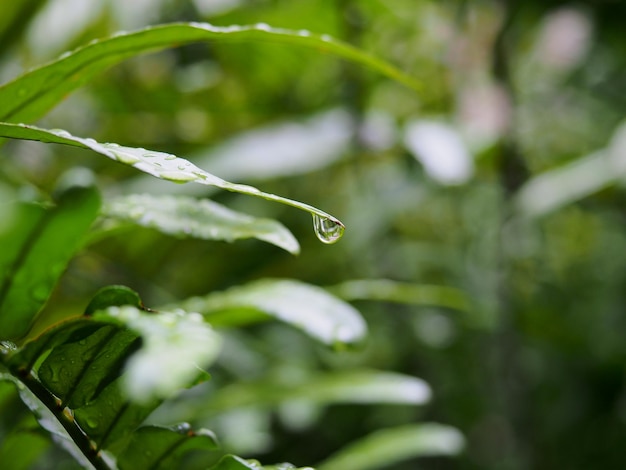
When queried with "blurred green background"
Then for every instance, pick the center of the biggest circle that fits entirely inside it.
(503, 178)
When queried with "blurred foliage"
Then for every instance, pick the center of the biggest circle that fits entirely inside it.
(503, 179)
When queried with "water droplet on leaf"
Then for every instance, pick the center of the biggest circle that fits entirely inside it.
(177, 177)
(61, 133)
(92, 422)
(41, 292)
(126, 158)
(327, 230)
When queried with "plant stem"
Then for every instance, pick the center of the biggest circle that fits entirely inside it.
(80, 439)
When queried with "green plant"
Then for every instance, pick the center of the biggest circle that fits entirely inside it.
(93, 376)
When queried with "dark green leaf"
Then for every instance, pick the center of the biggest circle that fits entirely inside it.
(110, 296)
(157, 447)
(77, 371)
(188, 217)
(111, 418)
(36, 247)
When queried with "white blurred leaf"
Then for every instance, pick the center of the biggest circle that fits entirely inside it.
(356, 386)
(200, 218)
(383, 448)
(175, 345)
(283, 149)
(309, 308)
(573, 181)
(440, 149)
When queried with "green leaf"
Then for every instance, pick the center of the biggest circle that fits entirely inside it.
(161, 165)
(158, 447)
(22, 447)
(36, 247)
(357, 386)
(110, 296)
(51, 418)
(402, 292)
(111, 418)
(176, 342)
(78, 370)
(188, 217)
(232, 462)
(79, 365)
(30, 96)
(386, 447)
(80, 361)
(309, 308)
(15, 19)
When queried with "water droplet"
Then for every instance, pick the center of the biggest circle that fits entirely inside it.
(182, 428)
(170, 157)
(263, 26)
(92, 422)
(61, 133)
(112, 144)
(326, 38)
(126, 158)
(178, 177)
(327, 230)
(90, 141)
(41, 292)
(304, 33)
(151, 155)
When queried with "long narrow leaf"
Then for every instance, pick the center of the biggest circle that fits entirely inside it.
(161, 165)
(402, 292)
(30, 96)
(383, 448)
(359, 386)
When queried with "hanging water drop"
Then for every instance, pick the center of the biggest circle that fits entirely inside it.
(327, 230)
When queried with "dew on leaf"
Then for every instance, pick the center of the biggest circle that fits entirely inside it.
(41, 292)
(92, 422)
(126, 158)
(327, 230)
(61, 133)
(178, 177)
